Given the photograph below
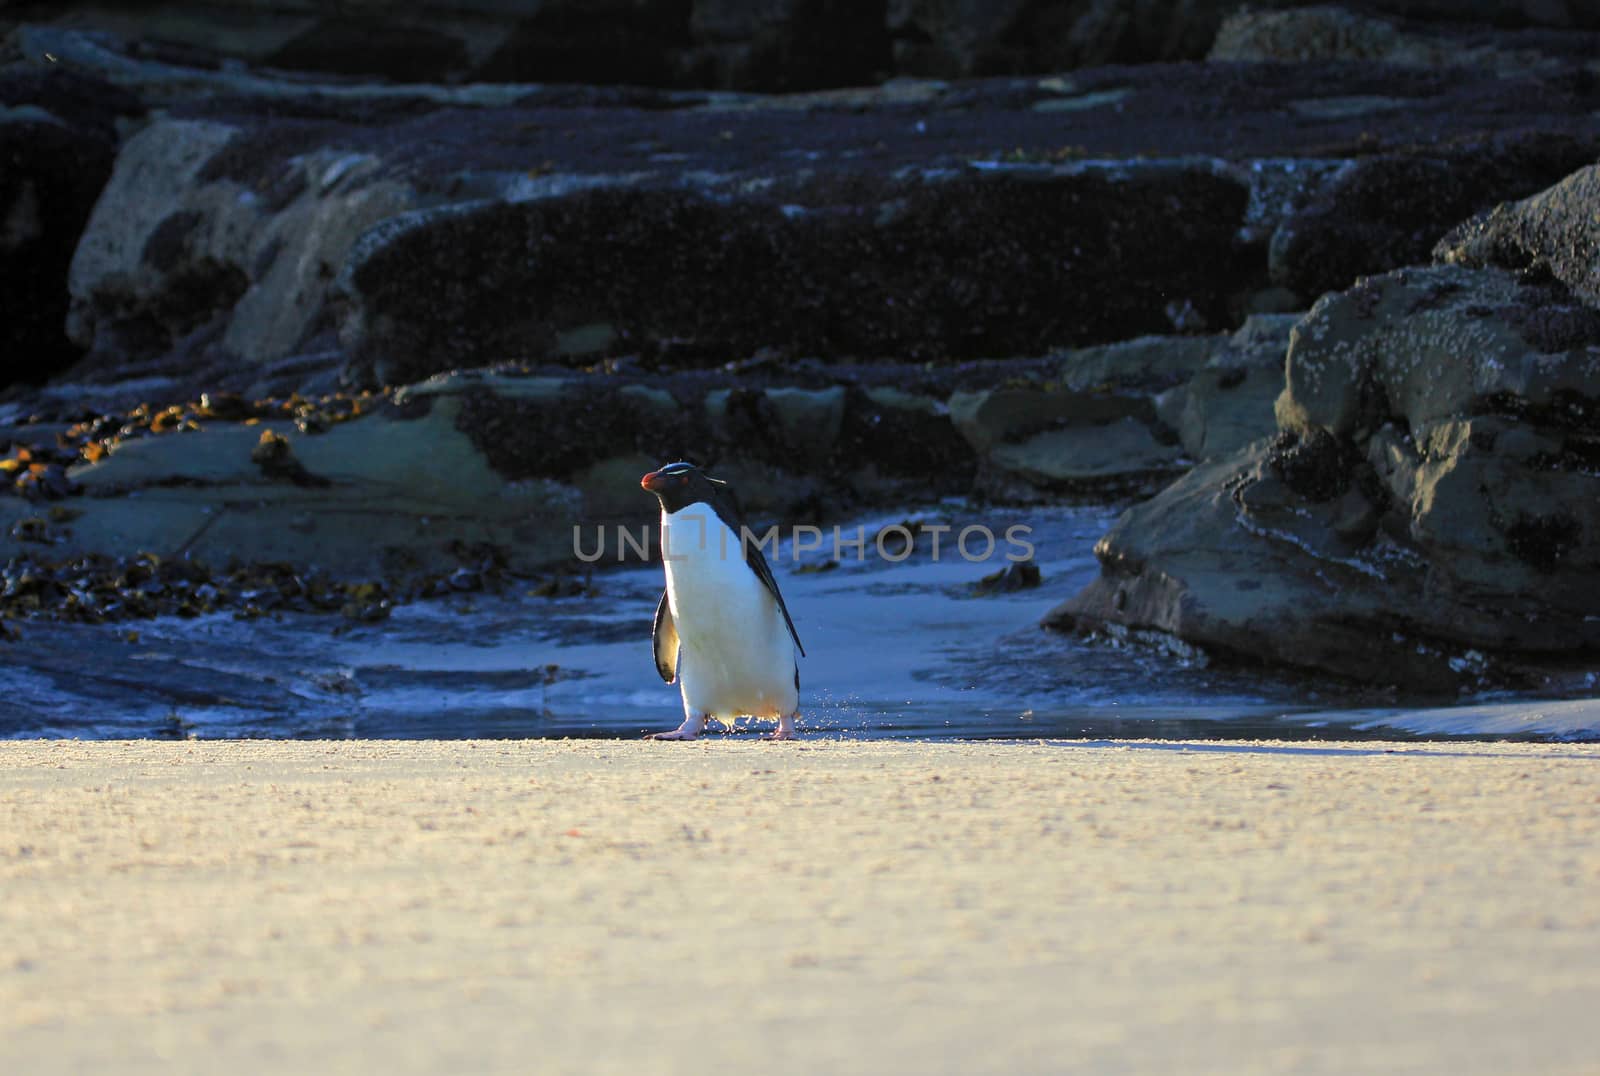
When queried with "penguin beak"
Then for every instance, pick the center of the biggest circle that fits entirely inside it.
(655, 481)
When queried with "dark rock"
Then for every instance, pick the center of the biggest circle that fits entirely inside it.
(1228, 403)
(1544, 541)
(164, 271)
(770, 45)
(465, 580)
(1120, 417)
(1115, 459)
(1257, 35)
(31, 529)
(369, 492)
(37, 472)
(228, 406)
(86, 104)
(1507, 13)
(903, 435)
(1420, 346)
(92, 589)
(1429, 516)
(783, 46)
(1022, 575)
(1387, 211)
(56, 150)
(865, 443)
(343, 44)
(168, 244)
(1554, 231)
(542, 427)
(277, 461)
(1315, 465)
(974, 208)
(634, 42)
(1324, 32)
(963, 267)
(482, 468)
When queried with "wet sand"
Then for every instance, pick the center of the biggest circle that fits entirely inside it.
(609, 906)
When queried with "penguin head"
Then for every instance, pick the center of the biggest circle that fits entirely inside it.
(678, 485)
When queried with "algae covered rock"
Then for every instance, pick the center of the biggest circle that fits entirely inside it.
(1385, 211)
(392, 231)
(972, 264)
(370, 495)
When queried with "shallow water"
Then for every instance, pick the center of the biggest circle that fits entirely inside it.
(894, 650)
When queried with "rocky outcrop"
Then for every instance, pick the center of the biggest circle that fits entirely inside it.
(1256, 34)
(1124, 418)
(1090, 428)
(499, 461)
(313, 225)
(774, 45)
(1388, 210)
(964, 266)
(736, 44)
(506, 459)
(953, 40)
(1555, 231)
(945, 39)
(1229, 401)
(842, 298)
(378, 494)
(1327, 32)
(1428, 516)
(806, 450)
(182, 258)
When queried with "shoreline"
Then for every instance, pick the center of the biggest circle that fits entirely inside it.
(978, 907)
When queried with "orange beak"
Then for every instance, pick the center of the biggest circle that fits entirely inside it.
(655, 481)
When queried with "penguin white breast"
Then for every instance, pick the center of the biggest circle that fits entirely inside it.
(736, 657)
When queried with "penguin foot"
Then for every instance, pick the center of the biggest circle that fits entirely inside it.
(675, 734)
(785, 728)
(693, 725)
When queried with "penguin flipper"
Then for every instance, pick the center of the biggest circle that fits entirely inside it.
(726, 504)
(758, 564)
(665, 637)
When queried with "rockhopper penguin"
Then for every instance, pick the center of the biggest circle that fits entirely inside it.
(722, 630)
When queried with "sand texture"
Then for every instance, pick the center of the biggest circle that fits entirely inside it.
(589, 906)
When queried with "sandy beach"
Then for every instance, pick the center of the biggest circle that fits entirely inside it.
(603, 906)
